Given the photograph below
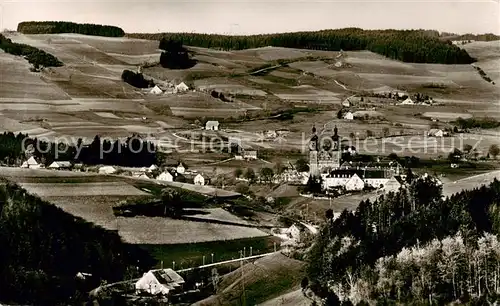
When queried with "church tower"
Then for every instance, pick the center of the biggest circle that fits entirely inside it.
(313, 154)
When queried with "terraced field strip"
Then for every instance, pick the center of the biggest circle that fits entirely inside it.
(82, 189)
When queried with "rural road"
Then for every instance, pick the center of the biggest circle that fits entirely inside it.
(227, 261)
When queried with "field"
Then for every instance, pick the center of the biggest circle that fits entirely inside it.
(92, 197)
(191, 254)
(470, 182)
(266, 278)
(142, 230)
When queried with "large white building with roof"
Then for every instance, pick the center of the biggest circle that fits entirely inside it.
(160, 282)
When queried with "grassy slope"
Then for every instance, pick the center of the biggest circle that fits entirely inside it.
(264, 279)
(191, 254)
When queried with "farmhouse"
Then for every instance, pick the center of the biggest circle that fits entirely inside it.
(212, 125)
(435, 133)
(165, 176)
(393, 184)
(156, 90)
(182, 87)
(31, 163)
(349, 116)
(293, 232)
(107, 170)
(180, 168)
(408, 101)
(250, 155)
(200, 180)
(59, 165)
(160, 282)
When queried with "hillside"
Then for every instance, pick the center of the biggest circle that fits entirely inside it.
(405, 45)
(412, 246)
(263, 279)
(43, 248)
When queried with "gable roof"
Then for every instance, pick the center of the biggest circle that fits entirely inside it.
(182, 85)
(32, 161)
(61, 164)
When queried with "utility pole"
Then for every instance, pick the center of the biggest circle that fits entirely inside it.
(242, 278)
(203, 260)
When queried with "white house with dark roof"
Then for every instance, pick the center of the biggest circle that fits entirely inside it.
(212, 125)
(160, 282)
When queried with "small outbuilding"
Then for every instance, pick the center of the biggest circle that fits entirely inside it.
(349, 116)
(156, 90)
(435, 133)
(107, 170)
(212, 125)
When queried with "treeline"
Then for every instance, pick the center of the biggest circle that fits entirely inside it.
(479, 123)
(38, 58)
(43, 249)
(472, 37)
(132, 152)
(405, 45)
(136, 79)
(355, 253)
(54, 27)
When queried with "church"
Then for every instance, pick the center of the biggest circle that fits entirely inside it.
(324, 152)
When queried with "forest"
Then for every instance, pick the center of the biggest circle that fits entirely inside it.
(133, 152)
(413, 248)
(43, 249)
(417, 46)
(175, 55)
(38, 58)
(54, 27)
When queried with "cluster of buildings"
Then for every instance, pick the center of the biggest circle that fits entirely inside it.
(169, 89)
(325, 163)
(180, 173)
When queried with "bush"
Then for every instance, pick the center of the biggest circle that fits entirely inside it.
(482, 123)
(136, 79)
